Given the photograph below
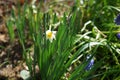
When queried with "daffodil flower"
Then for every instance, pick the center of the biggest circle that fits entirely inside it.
(50, 35)
(34, 9)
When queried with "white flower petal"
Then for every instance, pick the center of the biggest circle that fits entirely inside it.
(50, 35)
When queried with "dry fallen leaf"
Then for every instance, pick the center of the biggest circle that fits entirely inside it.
(3, 38)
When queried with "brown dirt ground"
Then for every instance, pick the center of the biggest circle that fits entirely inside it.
(11, 62)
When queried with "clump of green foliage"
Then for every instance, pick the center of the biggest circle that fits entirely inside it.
(88, 28)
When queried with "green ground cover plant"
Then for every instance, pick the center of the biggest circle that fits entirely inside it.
(79, 45)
